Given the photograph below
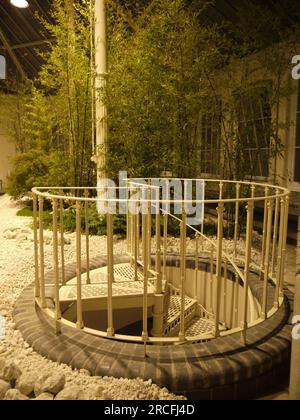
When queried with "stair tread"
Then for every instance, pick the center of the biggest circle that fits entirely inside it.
(175, 307)
(200, 326)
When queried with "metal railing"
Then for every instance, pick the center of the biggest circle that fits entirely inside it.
(231, 209)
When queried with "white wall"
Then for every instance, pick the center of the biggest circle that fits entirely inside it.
(7, 150)
(7, 147)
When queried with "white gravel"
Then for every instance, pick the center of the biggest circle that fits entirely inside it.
(16, 272)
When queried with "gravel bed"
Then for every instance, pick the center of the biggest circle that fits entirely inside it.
(16, 272)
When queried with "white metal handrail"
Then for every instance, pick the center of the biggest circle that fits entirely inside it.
(274, 204)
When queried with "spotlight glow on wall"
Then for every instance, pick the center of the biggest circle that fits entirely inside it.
(21, 4)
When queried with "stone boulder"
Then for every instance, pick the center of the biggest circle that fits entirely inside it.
(15, 395)
(9, 371)
(4, 387)
(45, 397)
(73, 393)
(26, 383)
(50, 383)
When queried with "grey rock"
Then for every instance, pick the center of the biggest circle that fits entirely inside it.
(73, 393)
(9, 371)
(51, 383)
(46, 396)
(4, 387)
(26, 383)
(15, 395)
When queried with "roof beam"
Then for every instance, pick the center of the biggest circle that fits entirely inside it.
(31, 44)
(12, 55)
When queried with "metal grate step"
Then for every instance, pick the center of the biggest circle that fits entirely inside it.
(173, 314)
(199, 326)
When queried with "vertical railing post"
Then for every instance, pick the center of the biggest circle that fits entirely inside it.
(56, 268)
(211, 279)
(136, 240)
(79, 323)
(110, 272)
(196, 265)
(149, 222)
(275, 233)
(133, 230)
(127, 218)
(42, 260)
(225, 291)
(165, 221)
(237, 215)
(279, 256)
(36, 251)
(236, 300)
(158, 307)
(62, 238)
(221, 188)
(182, 273)
(158, 246)
(284, 244)
(249, 238)
(138, 230)
(220, 211)
(203, 221)
(145, 233)
(267, 259)
(87, 236)
(264, 233)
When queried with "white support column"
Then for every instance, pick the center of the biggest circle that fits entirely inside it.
(100, 87)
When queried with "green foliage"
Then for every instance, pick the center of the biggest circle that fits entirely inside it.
(25, 212)
(166, 68)
(155, 86)
(53, 134)
(96, 222)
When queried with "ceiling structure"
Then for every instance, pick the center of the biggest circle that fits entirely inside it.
(22, 36)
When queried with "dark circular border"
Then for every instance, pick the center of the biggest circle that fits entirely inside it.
(220, 369)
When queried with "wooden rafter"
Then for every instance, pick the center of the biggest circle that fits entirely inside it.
(12, 55)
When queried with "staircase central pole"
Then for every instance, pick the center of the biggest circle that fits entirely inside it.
(100, 87)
